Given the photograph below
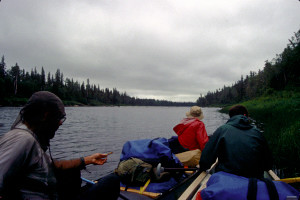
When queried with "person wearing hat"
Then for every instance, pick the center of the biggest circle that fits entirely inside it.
(240, 147)
(191, 132)
(28, 172)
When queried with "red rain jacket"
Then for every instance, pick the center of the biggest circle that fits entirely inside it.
(191, 133)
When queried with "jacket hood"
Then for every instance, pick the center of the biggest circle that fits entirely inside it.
(240, 122)
(22, 126)
(184, 124)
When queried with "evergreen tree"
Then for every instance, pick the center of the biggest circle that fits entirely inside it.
(2, 68)
(43, 79)
(2, 80)
(15, 76)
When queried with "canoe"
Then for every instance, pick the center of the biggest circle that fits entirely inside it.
(188, 188)
(173, 193)
(185, 190)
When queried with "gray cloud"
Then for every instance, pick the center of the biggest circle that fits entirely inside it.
(171, 50)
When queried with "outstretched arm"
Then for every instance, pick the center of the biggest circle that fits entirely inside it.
(96, 159)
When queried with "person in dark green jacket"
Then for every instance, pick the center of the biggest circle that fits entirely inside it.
(240, 147)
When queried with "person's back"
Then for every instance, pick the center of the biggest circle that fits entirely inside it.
(191, 132)
(241, 149)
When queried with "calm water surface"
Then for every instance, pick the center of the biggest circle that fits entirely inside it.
(89, 130)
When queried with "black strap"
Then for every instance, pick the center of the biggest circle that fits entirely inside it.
(273, 194)
(252, 189)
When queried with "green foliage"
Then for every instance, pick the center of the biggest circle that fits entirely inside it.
(72, 103)
(13, 101)
(280, 114)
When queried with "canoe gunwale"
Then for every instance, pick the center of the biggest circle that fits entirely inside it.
(199, 182)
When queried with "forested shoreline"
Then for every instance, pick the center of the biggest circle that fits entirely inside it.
(280, 74)
(17, 85)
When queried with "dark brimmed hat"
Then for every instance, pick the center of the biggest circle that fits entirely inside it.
(47, 98)
(38, 103)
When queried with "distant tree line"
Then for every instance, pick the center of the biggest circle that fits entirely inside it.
(282, 73)
(16, 85)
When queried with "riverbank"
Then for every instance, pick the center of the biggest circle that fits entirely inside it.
(278, 115)
(20, 101)
(17, 102)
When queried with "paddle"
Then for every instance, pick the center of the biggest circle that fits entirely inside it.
(290, 180)
(88, 181)
(160, 169)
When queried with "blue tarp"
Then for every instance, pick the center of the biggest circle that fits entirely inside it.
(152, 151)
(224, 186)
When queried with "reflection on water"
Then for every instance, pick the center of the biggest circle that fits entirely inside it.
(89, 130)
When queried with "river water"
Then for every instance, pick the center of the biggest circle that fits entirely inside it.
(89, 130)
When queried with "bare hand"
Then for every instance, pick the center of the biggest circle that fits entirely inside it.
(96, 159)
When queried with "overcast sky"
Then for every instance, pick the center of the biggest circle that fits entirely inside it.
(163, 49)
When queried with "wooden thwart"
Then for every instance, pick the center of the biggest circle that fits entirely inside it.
(273, 175)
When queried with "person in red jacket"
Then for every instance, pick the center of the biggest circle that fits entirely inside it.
(191, 132)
